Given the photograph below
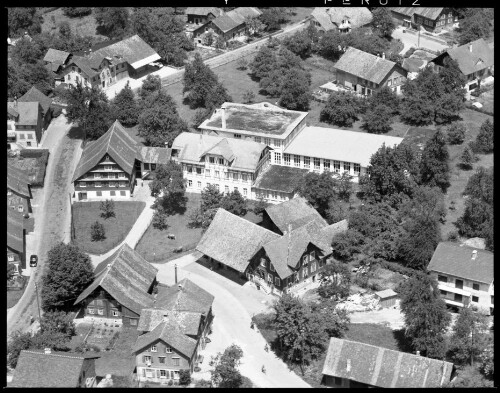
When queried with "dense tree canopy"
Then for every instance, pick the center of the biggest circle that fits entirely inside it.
(114, 21)
(378, 119)
(383, 22)
(475, 25)
(434, 166)
(342, 109)
(225, 373)
(76, 12)
(125, 108)
(319, 189)
(150, 85)
(24, 19)
(169, 188)
(335, 281)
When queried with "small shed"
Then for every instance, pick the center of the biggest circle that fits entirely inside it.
(387, 297)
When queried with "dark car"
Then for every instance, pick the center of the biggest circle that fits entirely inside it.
(33, 260)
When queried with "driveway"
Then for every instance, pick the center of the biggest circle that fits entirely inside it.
(410, 39)
(233, 307)
(51, 212)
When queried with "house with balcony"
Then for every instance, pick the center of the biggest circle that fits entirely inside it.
(228, 163)
(464, 275)
(24, 124)
(122, 288)
(351, 364)
(173, 332)
(363, 73)
(51, 369)
(342, 19)
(432, 19)
(475, 60)
(18, 189)
(285, 253)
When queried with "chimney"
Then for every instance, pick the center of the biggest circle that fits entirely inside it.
(474, 255)
(223, 117)
(180, 287)
(383, 55)
(47, 351)
(417, 353)
(470, 47)
(348, 368)
(15, 102)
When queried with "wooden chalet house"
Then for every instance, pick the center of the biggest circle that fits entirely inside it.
(172, 332)
(24, 124)
(16, 240)
(432, 19)
(35, 95)
(342, 19)
(123, 286)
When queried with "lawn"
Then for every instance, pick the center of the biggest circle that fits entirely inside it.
(14, 296)
(115, 228)
(377, 335)
(299, 13)
(85, 26)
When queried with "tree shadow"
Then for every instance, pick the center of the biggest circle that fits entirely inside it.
(253, 77)
(403, 342)
(76, 133)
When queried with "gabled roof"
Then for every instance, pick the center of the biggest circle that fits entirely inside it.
(127, 279)
(185, 296)
(383, 367)
(330, 231)
(232, 240)
(35, 369)
(35, 95)
(386, 293)
(226, 23)
(18, 180)
(28, 112)
(56, 56)
(427, 12)
(279, 178)
(293, 213)
(245, 154)
(12, 111)
(204, 11)
(170, 332)
(472, 57)
(84, 64)
(328, 17)
(116, 142)
(153, 155)
(15, 230)
(456, 260)
(244, 12)
(364, 65)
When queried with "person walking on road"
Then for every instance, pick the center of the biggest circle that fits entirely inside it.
(263, 369)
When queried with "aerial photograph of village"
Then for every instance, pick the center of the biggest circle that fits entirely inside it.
(250, 197)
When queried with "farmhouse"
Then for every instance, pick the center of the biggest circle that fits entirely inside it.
(362, 72)
(35, 95)
(433, 19)
(51, 369)
(16, 240)
(55, 60)
(201, 15)
(18, 189)
(350, 364)
(172, 332)
(342, 19)
(464, 275)
(24, 124)
(122, 287)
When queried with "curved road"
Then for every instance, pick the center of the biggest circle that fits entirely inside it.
(52, 214)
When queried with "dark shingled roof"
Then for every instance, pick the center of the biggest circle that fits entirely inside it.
(18, 180)
(127, 280)
(454, 259)
(279, 178)
(293, 213)
(383, 367)
(226, 23)
(154, 155)
(28, 112)
(203, 11)
(185, 296)
(152, 317)
(244, 12)
(232, 240)
(116, 142)
(328, 17)
(15, 230)
(427, 12)
(481, 56)
(56, 56)
(364, 65)
(35, 369)
(35, 95)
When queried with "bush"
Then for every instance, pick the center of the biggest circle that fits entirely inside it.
(160, 220)
(453, 236)
(396, 267)
(202, 383)
(97, 232)
(184, 377)
(456, 133)
(76, 12)
(107, 209)
(409, 52)
(170, 382)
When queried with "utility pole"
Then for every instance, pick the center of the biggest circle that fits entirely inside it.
(418, 43)
(38, 304)
(175, 273)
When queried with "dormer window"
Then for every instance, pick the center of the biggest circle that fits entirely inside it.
(221, 161)
(211, 160)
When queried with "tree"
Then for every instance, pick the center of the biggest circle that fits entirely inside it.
(242, 63)
(456, 133)
(97, 232)
(453, 78)
(89, 107)
(199, 80)
(107, 208)
(248, 97)
(335, 213)
(65, 29)
(234, 203)
(318, 189)
(477, 219)
(346, 244)
(159, 122)
(23, 19)
(467, 158)
(152, 84)
(220, 42)
(344, 186)
(426, 203)
(385, 96)
(260, 206)
(330, 45)
(487, 365)
(475, 25)
(11, 271)
(58, 322)
(480, 185)
(263, 62)
(416, 108)
(470, 377)
(254, 25)
(201, 219)
(378, 120)
(208, 38)
(169, 188)
(19, 342)
(273, 17)
(200, 116)
(114, 21)
(300, 44)
(434, 167)
(425, 315)
(217, 95)
(383, 22)
(125, 108)
(225, 373)
(160, 220)
(341, 109)
(68, 273)
(484, 140)
(469, 338)
(76, 12)
(295, 90)
(184, 377)
(211, 197)
(335, 281)
(27, 51)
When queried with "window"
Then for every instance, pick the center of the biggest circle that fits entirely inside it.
(296, 161)
(168, 349)
(475, 287)
(198, 171)
(98, 193)
(272, 267)
(217, 174)
(73, 68)
(263, 262)
(267, 141)
(269, 278)
(221, 161)
(337, 381)
(146, 359)
(146, 166)
(313, 266)
(190, 169)
(336, 166)
(389, 82)
(163, 373)
(176, 361)
(312, 256)
(316, 164)
(30, 136)
(216, 187)
(100, 311)
(245, 192)
(357, 169)
(226, 175)
(277, 281)
(211, 160)
(457, 298)
(459, 284)
(153, 167)
(244, 177)
(286, 159)
(277, 143)
(307, 162)
(326, 165)
(237, 136)
(226, 189)
(257, 139)
(207, 172)
(154, 348)
(123, 193)
(491, 299)
(199, 184)
(277, 158)
(190, 183)
(347, 166)
(475, 299)
(91, 310)
(133, 322)
(21, 136)
(396, 80)
(161, 359)
(112, 193)
(442, 278)
(444, 293)
(304, 260)
(116, 313)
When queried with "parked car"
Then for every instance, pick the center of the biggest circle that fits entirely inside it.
(33, 260)
(158, 64)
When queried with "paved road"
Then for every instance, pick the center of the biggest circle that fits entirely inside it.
(52, 213)
(410, 39)
(233, 307)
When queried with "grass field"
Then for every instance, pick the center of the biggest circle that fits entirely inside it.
(116, 228)
(85, 26)
(14, 296)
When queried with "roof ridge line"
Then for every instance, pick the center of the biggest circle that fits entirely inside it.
(54, 354)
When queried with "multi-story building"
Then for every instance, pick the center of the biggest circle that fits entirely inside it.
(24, 124)
(16, 240)
(228, 163)
(35, 95)
(433, 19)
(276, 183)
(261, 123)
(464, 275)
(172, 332)
(18, 190)
(342, 19)
(363, 73)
